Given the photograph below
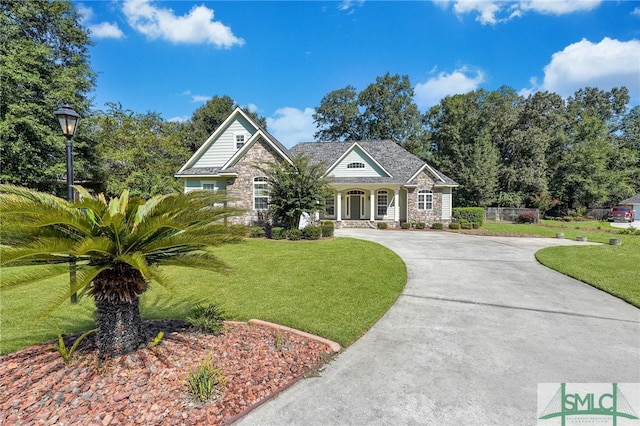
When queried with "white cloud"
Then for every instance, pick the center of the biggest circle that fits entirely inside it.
(101, 30)
(290, 125)
(636, 11)
(609, 63)
(462, 80)
(198, 26)
(251, 107)
(493, 12)
(106, 30)
(200, 98)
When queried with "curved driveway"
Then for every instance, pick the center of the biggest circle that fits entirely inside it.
(478, 326)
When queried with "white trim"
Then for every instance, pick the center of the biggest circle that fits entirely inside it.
(249, 143)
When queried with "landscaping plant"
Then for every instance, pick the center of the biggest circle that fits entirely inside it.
(117, 246)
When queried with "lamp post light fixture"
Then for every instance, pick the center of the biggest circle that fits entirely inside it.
(68, 119)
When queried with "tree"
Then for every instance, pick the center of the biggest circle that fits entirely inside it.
(295, 188)
(338, 117)
(384, 110)
(462, 148)
(118, 246)
(45, 63)
(139, 152)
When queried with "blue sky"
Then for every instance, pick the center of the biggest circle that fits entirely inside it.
(279, 58)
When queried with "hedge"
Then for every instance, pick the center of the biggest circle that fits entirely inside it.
(469, 214)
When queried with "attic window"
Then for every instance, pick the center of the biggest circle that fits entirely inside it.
(355, 166)
(239, 141)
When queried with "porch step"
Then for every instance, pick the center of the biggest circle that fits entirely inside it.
(357, 224)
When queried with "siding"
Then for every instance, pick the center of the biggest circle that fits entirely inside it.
(357, 156)
(225, 147)
(446, 203)
(193, 184)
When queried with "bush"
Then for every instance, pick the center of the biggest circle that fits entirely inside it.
(257, 232)
(437, 225)
(528, 216)
(278, 233)
(454, 225)
(470, 214)
(382, 225)
(312, 233)
(476, 225)
(420, 225)
(405, 225)
(294, 234)
(208, 319)
(327, 228)
(206, 381)
(466, 225)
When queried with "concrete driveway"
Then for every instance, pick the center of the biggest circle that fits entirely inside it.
(478, 326)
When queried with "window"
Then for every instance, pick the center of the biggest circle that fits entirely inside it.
(330, 206)
(425, 200)
(382, 203)
(209, 187)
(355, 166)
(239, 141)
(260, 193)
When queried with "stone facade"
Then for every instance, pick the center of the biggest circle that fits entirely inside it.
(424, 181)
(240, 190)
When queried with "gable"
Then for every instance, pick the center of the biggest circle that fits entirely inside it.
(221, 149)
(356, 162)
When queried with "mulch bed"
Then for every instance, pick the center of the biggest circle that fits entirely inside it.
(148, 386)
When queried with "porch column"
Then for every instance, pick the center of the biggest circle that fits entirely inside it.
(338, 206)
(396, 202)
(372, 205)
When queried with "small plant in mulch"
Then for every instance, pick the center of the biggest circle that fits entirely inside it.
(280, 342)
(205, 381)
(68, 353)
(207, 319)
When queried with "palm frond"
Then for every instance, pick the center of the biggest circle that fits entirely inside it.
(159, 277)
(94, 246)
(199, 260)
(138, 262)
(32, 275)
(44, 250)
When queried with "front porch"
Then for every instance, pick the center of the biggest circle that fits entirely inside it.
(363, 207)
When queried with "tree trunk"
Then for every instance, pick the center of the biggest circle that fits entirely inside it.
(119, 327)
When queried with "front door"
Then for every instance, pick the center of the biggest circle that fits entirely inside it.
(355, 207)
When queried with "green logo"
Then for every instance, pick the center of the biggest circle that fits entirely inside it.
(589, 401)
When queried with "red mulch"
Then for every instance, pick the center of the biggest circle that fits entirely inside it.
(148, 386)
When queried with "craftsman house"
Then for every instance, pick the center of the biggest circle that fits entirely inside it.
(373, 180)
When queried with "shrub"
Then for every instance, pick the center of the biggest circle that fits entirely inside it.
(257, 232)
(327, 228)
(294, 234)
(568, 218)
(312, 233)
(382, 225)
(207, 319)
(476, 225)
(405, 225)
(454, 225)
(437, 225)
(278, 233)
(470, 214)
(466, 225)
(206, 381)
(528, 216)
(420, 225)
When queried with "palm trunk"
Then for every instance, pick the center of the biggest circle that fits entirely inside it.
(119, 327)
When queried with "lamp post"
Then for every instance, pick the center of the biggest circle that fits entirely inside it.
(68, 119)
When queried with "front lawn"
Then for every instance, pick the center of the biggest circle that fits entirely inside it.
(614, 269)
(334, 288)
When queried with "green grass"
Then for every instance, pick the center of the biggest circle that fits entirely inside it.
(614, 269)
(334, 288)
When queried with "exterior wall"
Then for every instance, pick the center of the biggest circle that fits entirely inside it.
(424, 181)
(240, 190)
(225, 146)
(195, 184)
(357, 156)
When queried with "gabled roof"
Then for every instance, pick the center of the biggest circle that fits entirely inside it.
(633, 200)
(402, 166)
(354, 146)
(227, 169)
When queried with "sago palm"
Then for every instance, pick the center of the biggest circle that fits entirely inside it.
(117, 246)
